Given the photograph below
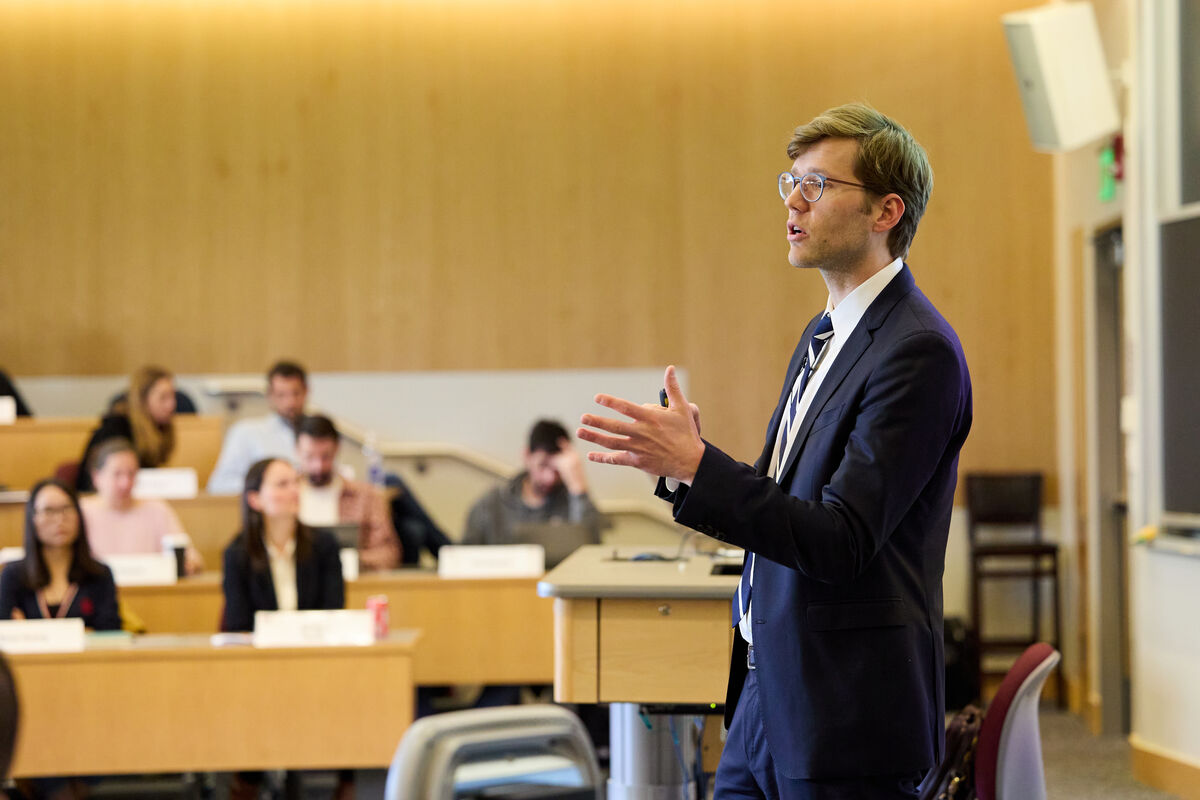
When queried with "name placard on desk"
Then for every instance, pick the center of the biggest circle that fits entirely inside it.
(41, 635)
(491, 561)
(153, 569)
(313, 628)
(166, 483)
(8, 410)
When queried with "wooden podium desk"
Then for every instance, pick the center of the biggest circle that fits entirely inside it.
(179, 704)
(473, 631)
(33, 447)
(640, 631)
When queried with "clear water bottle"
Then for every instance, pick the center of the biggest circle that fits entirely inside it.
(374, 460)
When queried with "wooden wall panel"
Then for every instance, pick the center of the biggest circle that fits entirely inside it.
(491, 185)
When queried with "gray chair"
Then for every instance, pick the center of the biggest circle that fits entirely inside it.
(488, 742)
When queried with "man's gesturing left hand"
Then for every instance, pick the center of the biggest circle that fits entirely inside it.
(660, 441)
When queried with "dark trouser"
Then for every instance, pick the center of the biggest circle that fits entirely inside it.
(747, 771)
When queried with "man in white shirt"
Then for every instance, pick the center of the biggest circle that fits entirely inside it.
(272, 436)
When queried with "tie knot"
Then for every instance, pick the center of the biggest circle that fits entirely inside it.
(822, 333)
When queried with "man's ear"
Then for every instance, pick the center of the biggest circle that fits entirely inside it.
(888, 212)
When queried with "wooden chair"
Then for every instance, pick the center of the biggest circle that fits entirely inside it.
(1009, 507)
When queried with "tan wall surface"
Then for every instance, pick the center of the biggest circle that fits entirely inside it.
(492, 185)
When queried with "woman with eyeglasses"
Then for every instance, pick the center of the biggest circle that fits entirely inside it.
(58, 577)
(146, 418)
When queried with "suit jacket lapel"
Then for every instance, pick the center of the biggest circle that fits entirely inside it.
(851, 352)
(764, 458)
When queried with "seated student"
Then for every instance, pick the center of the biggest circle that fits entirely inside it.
(272, 436)
(58, 577)
(7, 389)
(147, 420)
(119, 524)
(553, 488)
(275, 563)
(327, 498)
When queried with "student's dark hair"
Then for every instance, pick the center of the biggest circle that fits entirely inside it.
(107, 449)
(9, 717)
(254, 525)
(287, 369)
(317, 426)
(544, 436)
(83, 563)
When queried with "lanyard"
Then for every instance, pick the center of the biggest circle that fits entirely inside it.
(63, 607)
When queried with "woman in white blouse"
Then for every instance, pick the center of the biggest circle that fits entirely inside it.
(278, 563)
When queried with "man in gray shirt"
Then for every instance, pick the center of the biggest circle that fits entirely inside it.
(552, 489)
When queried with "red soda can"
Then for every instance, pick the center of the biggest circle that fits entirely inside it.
(377, 604)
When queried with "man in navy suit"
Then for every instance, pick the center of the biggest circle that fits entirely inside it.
(836, 683)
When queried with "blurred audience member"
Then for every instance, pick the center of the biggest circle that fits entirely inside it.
(327, 498)
(553, 488)
(118, 523)
(272, 436)
(58, 577)
(147, 420)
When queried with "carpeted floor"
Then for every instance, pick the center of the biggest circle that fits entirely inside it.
(1080, 766)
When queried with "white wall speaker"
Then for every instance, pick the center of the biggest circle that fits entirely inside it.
(1061, 73)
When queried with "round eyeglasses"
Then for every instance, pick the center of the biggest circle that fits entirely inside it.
(812, 185)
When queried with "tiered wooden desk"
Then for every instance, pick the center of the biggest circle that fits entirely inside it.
(32, 448)
(178, 704)
(473, 631)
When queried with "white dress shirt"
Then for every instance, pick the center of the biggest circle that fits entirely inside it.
(247, 442)
(845, 319)
(283, 574)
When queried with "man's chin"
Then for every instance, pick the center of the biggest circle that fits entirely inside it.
(320, 481)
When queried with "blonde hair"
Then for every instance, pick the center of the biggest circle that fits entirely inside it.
(889, 161)
(152, 442)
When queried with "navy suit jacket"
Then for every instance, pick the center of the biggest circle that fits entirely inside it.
(319, 583)
(851, 546)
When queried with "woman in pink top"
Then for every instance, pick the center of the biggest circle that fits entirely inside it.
(117, 523)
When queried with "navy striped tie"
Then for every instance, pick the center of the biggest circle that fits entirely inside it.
(824, 329)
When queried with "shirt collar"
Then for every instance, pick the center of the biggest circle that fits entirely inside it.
(287, 552)
(848, 312)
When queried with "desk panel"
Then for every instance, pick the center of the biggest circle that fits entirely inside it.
(177, 704)
(474, 631)
(32, 448)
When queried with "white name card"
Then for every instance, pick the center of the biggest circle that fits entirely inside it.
(349, 559)
(41, 635)
(313, 628)
(166, 483)
(491, 561)
(8, 410)
(9, 554)
(150, 569)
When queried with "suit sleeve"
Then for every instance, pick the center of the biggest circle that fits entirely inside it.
(239, 614)
(914, 412)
